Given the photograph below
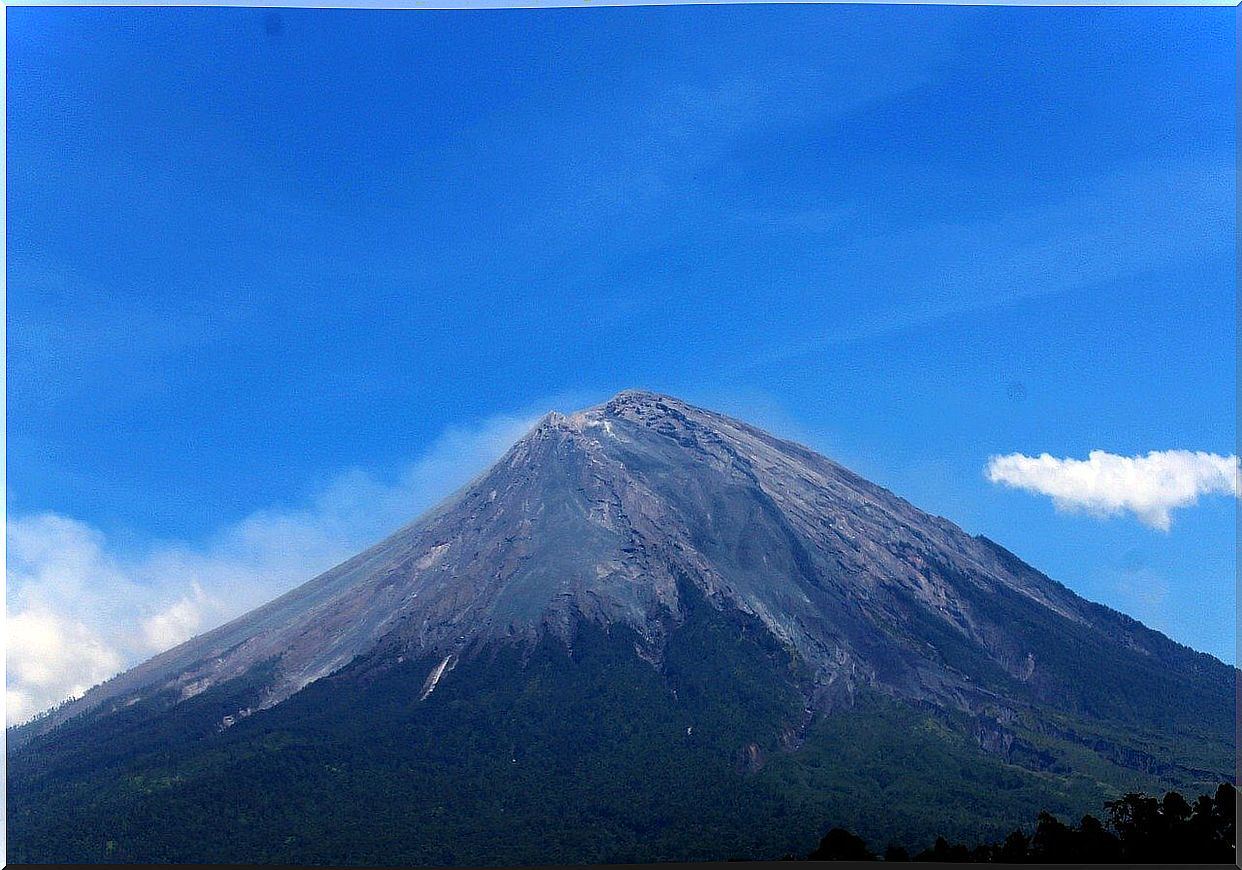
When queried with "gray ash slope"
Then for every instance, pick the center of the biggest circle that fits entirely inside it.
(607, 516)
(647, 633)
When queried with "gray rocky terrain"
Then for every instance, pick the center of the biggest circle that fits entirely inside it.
(599, 515)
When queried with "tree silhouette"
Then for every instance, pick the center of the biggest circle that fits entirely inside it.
(1095, 843)
(1140, 829)
(1052, 838)
(840, 845)
(942, 851)
(1015, 849)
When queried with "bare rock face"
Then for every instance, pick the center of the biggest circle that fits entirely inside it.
(606, 515)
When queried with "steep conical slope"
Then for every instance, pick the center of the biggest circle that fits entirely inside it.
(649, 548)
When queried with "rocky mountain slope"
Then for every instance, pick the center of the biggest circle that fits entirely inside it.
(648, 533)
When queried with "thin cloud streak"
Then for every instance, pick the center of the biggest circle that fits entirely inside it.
(1097, 236)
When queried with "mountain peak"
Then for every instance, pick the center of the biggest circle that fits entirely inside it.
(699, 553)
(611, 515)
(550, 420)
(634, 395)
(648, 400)
(639, 406)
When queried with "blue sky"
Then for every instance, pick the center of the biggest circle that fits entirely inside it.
(262, 262)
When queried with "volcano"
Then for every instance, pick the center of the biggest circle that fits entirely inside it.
(648, 632)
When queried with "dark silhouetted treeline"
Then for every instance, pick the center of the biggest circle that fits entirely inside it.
(1138, 829)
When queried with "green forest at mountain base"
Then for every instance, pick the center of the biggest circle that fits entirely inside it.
(546, 755)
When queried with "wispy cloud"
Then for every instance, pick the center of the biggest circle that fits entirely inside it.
(79, 610)
(1098, 233)
(1105, 484)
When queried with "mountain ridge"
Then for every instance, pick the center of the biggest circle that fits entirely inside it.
(620, 575)
(618, 508)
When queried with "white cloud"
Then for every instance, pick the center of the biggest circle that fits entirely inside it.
(176, 623)
(78, 611)
(1105, 484)
(51, 657)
